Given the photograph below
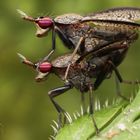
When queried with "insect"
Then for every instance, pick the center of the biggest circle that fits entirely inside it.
(85, 34)
(85, 74)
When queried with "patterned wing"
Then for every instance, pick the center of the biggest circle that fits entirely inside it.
(63, 61)
(129, 14)
(121, 19)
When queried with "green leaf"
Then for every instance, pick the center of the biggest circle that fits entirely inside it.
(83, 128)
(119, 121)
(127, 124)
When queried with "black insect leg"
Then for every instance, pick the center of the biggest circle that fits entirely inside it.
(53, 44)
(53, 47)
(72, 56)
(55, 92)
(67, 42)
(47, 57)
(53, 39)
(120, 79)
(91, 108)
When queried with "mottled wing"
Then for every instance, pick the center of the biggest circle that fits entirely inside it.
(117, 18)
(129, 14)
(63, 61)
(68, 19)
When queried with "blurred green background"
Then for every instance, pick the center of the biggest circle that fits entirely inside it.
(26, 112)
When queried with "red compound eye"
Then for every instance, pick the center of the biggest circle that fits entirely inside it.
(44, 22)
(45, 67)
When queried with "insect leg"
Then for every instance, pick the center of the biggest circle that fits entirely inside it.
(119, 79)
(91, 108)
(53, 45)
(64, 38)
(83, 103)
(118, 90)
(56, 92)
(73, 54)
(47, 57)
(53, 39)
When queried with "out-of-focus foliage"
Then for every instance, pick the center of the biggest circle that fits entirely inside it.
(25, 109)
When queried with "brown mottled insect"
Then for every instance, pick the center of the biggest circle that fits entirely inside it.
(86, 34)
(97, 29)
(84, 74)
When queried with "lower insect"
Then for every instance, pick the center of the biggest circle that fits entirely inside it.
(81, 76)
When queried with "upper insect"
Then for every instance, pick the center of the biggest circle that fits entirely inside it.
(97, 29)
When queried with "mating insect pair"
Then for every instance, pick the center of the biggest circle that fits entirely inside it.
(105, 36)
(80, 76)
(92, 32)
(86, 75)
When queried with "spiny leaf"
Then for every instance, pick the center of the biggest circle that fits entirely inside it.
(127, 124)
(118, 121)
(82, 128)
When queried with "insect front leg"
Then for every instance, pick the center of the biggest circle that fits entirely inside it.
(53, 39)
(81, 41)
(64, 38)
(56, 92)
(53, 45)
